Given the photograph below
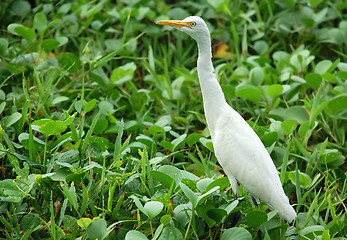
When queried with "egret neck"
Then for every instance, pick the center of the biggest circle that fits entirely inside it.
(212, 94)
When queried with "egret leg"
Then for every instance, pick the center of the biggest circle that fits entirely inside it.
(233, 183)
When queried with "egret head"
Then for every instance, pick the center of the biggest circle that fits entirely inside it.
(194, 26)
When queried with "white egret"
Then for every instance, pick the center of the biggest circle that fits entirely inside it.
(238, 148)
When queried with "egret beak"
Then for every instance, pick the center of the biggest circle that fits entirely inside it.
(174, 23)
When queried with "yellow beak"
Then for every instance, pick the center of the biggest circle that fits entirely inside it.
(174, 23)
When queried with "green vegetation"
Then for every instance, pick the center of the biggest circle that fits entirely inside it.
(102, 130)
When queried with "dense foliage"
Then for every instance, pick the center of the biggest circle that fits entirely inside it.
(102, 130)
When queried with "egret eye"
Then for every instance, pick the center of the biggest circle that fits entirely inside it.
(193, 24)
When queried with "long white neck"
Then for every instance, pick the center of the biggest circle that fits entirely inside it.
(213, 96)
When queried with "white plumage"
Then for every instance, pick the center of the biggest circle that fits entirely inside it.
(238, 149)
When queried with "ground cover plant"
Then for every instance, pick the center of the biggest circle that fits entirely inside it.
(102, 130)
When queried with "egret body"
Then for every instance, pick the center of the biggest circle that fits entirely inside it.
(238, 148)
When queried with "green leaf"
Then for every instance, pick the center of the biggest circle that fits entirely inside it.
(167, 174)
(337, 105)
(256, 218)
(216, 214)
(203, 183)
(97, 229)
(313, 80)
(222, 182)
(193, 197)
(19, 8)
(3, 46)
(29, 221)
(170, 233)
(40, 22)
(100, 126)
(314, 3)
(49, 44)
(297, 113)
(236, 233)
(70, 194)
(153, 208)
(202, 212)
(274, 90)
(248, 92)
(207, 143)
(135, 235)
(204, 196)
(165, 220)
(12, 119)
(323, 67)
(98, 146)
(20, 30)
(305, 180)
(84, 222)
(2, 107)
(256, 76)
(269, 138)
(52, 127)
(289, 126)
(123, 73)
(139, 204)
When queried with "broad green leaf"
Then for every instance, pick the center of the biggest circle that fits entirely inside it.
(50, 127)
(139, 204)
(12, 119)
(84, 222)
(98, 146)
(207, 143)
(170, 233)
(153, 208)
(3, 46)
(70, 194)
(288, 126)
(59, 99)
(19, 8)
(323, 66)
(203, 183)
(222, 182)
(166, 219)
(100, 126)
(256, 218)
(236, 233)
(305, 180)
(337, 105)
(135, 235)
(29, 221)
(123, 73)
(310, 229)
(2, 107)
(193, 197)
(313, 80)
(256, 76)
(204, 196)
(217, 214)
(202, 212)
(49, 44)
(261, 47)
(248, 92)
(269, 138)
(274, 90)
(97, 229)
(167, 175)
(25, 32)
(297, 113)
(40, 22)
